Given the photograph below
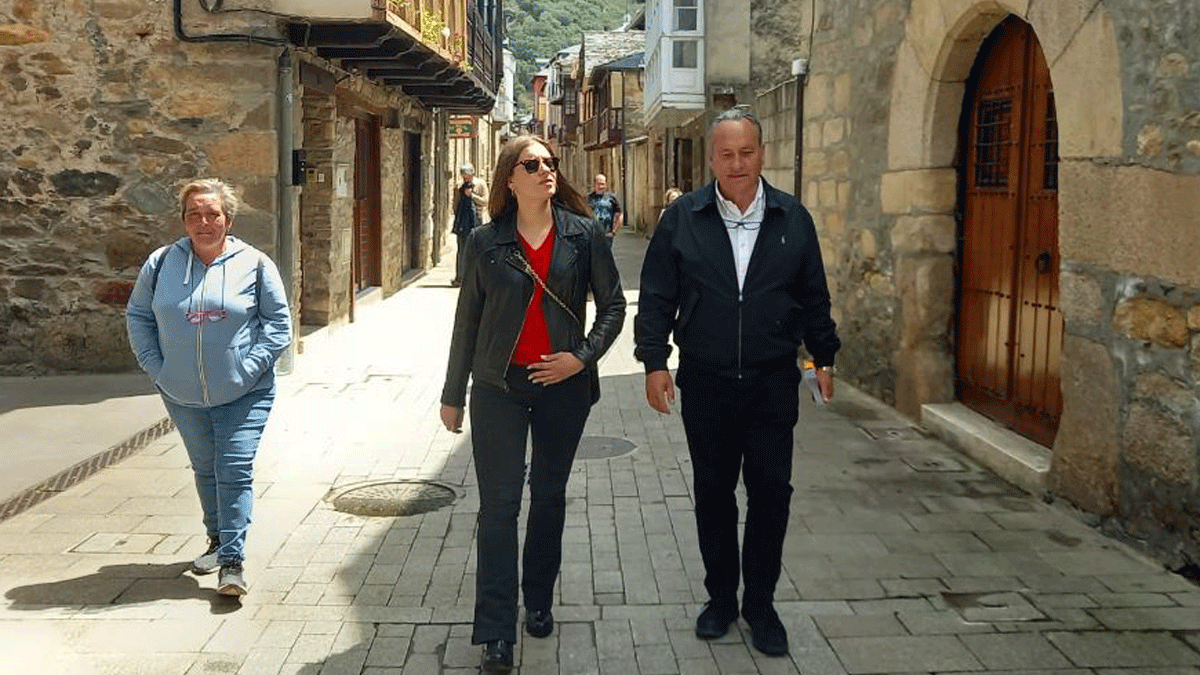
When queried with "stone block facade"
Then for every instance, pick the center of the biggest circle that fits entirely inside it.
(882, 162)
(109, 113)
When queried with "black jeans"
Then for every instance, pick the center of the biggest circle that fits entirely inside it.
(459, 254)
(741, 426)
(501, 421)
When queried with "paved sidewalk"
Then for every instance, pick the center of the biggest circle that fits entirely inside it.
(902, 556)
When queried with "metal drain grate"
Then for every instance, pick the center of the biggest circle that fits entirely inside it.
(391, 498)
(88, 467)
(603, 447)
(892, 433)
(992, 607)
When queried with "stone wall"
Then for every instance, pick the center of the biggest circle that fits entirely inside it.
(109, 113)
(341, 225)
(327, 219)
(882, 143)
(844, 156)
(776, 110)
(394, 175)
(780, 31)
(319, 111)
(106, 116)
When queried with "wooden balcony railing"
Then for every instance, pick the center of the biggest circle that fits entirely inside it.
(604, 130)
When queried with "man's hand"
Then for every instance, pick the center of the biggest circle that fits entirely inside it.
(660, 391)
(825, 382)
(452, 418)
(554, 368)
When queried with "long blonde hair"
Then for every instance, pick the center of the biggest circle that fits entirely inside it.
(502, 201)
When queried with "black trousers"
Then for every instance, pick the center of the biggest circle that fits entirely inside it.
(501, 421)
(741, 426)
(459, 254)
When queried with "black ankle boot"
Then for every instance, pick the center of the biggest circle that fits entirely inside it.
(497, 656)
(539, 622)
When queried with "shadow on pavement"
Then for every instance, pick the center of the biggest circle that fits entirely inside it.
(114, 586)
(18, 393)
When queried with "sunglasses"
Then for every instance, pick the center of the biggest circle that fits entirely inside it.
(532, 165)
(198, 317)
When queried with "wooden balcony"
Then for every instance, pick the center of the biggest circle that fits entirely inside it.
(445, 53)
(604, 130)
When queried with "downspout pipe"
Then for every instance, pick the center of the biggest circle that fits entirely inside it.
(286, 127)
(800, 70)
(630, 212)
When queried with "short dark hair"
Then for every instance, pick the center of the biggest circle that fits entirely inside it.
(738, 113)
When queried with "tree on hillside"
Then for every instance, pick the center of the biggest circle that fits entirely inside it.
(538, 29)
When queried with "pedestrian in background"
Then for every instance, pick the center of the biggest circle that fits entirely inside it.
(738, 324)
(669, 198)
(207, 319)
(605, 207)
(468, 212)
(519, 334)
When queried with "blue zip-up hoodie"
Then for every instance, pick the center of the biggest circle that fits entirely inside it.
(216, 360)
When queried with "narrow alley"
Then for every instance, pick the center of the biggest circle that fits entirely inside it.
(901, 556)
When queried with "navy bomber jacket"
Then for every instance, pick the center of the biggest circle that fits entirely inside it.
(689, 286)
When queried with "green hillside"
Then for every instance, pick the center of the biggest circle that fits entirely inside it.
(537, 29)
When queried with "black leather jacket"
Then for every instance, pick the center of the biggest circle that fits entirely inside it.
(689, 286)
(496, 291)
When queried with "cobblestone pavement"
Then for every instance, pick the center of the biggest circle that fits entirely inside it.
(902, 556)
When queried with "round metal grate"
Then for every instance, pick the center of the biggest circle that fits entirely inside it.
(603, 447)
(391, 498)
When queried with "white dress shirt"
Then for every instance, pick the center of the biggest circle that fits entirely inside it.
(741, 238)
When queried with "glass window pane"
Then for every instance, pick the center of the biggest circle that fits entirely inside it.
(685, 18)
(684, 54)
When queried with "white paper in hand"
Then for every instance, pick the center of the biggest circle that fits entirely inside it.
(814, 387)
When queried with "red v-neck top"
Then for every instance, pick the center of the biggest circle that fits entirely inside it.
(534, 341)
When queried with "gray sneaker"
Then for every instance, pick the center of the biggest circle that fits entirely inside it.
(208, 563)
(231, 581)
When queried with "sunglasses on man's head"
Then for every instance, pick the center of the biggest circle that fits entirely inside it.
(532, 165)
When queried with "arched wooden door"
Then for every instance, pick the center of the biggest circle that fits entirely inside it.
(1010, 331)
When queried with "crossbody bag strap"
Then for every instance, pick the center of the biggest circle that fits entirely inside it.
(546, 289)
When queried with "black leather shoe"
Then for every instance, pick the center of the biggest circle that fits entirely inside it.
(714, 621)
(767, 633)
(539, 622)
(497, 657)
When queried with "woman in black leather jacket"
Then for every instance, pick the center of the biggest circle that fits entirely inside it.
(519, 335)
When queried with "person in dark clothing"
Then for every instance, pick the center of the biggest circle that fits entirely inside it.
(738, 320)
(520, 336)
(468, 212)
(605, 207)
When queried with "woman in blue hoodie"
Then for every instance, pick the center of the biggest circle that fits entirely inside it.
(207, 319)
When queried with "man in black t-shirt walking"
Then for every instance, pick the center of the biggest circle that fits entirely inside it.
(606, 209)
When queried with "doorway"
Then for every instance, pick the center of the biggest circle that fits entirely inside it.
(1010, 330)
(412, 205)
(368, 235)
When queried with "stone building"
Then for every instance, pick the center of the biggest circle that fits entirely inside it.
(702, 57)
(1008, 195)
(605, 94)
(327, 116)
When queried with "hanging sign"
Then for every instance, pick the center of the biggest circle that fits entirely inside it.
(462, 126)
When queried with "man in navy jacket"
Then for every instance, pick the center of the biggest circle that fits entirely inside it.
(735, 271)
